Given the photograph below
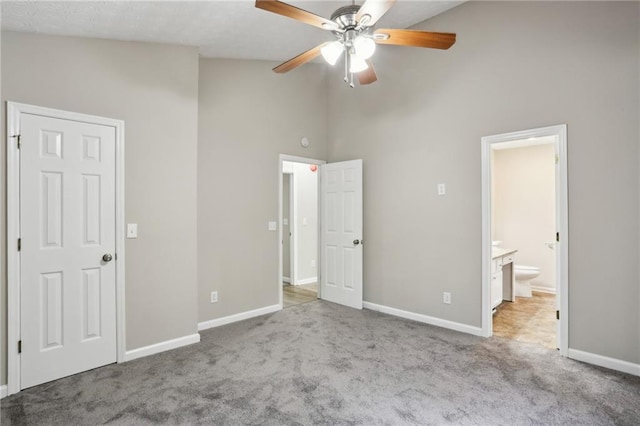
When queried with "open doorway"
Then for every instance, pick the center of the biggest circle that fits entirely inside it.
(338, 230)
(300, 232)
(524, 237)
(523, 218)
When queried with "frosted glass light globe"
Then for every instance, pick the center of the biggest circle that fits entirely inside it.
(358, 64)
(364, 47)
(332, 51)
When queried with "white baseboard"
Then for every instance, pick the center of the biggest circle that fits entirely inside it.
(286, 279)
(543, 289)
(605, 361)
(3, 391)
(464, 328)
(306, 281)
(161, 347)
(238, 317)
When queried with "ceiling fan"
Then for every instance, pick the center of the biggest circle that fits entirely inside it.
(353, 27)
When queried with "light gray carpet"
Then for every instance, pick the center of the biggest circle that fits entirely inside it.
(320, 363)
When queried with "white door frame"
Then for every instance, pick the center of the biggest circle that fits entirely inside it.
(14, 110)
(562, 220)
(293, 240)
(290, 215)
(281, 160)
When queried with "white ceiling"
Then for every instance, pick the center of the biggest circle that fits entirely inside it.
(220, 29)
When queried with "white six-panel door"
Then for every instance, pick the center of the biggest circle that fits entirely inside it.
(341, 233)
(67, 225)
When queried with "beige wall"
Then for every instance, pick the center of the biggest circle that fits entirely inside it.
(248, 116)
(516, 65)
(524, 207)
(305, 227)
(154, 89)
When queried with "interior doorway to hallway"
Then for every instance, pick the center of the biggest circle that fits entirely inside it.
(299, 224)
(338, 231)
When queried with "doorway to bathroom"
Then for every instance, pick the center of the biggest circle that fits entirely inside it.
(525, 251)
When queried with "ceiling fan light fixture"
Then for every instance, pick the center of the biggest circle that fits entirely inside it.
(353, 25)
(332, 51)
(365, 46)
(358, 64)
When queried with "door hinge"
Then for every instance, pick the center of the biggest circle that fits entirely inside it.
(18, 140)
(557, 236)
(19, 346)
(557, 158)
(19, 244)
(557, 315)
(115, 256)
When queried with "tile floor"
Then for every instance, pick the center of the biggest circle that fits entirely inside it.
(531, 320)
(296, 294)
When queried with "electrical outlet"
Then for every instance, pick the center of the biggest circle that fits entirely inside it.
(214, 296)
(446, 298)
(442, 190)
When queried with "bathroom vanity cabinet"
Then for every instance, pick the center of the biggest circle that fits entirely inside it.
(502, 276)
(496, 288)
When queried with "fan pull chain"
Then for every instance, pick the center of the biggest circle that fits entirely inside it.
(347, 59)
(348, 75)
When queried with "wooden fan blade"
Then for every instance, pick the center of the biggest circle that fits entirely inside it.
(367, 76)
(301, 59)
(375, 9)
(296, 13)
(416, 38)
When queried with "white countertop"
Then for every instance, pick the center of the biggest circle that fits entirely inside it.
(497, 252)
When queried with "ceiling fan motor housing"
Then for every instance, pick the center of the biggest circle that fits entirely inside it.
(348, 26)
(345, 16)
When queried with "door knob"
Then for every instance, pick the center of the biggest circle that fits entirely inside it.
(107, 257)
(356, 242)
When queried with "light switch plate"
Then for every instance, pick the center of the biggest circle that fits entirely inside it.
(285, 221)
(132, 230)
(272, 225)
(442, 190)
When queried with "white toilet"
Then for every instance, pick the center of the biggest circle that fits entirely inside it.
(523, 275)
